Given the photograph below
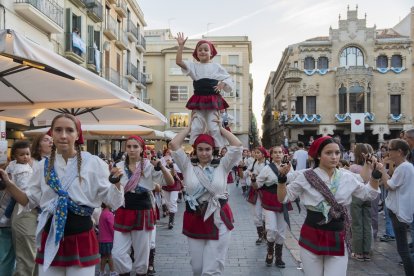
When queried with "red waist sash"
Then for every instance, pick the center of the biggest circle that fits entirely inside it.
(322, 242)
(269, 199)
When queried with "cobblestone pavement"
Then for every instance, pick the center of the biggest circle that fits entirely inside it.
(246, 258)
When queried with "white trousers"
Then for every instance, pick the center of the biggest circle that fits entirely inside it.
(316, 265)
(204, 123)
(257, 212)
(275, 226)
(208, 256)
(140, 241)
(153, 235)
(67, 271)
(171, 200)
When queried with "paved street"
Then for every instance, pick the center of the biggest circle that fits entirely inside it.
(245, 258)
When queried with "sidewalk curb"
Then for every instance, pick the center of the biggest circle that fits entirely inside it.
(293, 246)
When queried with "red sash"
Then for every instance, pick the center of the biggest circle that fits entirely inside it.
(269, 200)
(322, 242)
(195, 227)
(230, 178)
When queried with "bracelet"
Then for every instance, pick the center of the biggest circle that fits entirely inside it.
(158, 166)
(281, 179)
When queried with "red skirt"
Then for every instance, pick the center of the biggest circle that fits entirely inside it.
(230, 178)
(128, 220)
(74, 250)
(210, 102)
(322, 242)
(195, 227)
(270, 202)
(176, 187)
(252, 196)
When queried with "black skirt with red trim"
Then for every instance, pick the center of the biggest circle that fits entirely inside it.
(205, 97)
(127, 220)
(269, 199)
(80, 249)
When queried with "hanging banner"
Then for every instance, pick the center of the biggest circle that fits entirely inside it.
(357, 122)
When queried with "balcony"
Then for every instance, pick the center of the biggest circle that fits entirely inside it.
(142, 81)
(396, 118)
(121, 8)
(233, 69)
(111, 1)
(304, 119)
(95, 10)
(79, 3)
(132, 31)
(354, 72)
(148, 78)
(141, 44)
(94, 60)
(132, 72)
(113, 76)
(147, 101)
(345, 118)
(125, 84)
(293, 75)
(46, 14)
(74, 48)
(122, 41)
(111, 30)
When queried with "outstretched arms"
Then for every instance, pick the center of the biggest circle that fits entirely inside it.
(179, 58)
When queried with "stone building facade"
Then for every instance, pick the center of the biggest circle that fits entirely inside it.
(320, 82)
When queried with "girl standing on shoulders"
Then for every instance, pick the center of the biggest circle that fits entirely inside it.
(208, 219)
(67, 187)
(209, 78)
(326, 192)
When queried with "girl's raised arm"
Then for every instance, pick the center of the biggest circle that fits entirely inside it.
(179, 58)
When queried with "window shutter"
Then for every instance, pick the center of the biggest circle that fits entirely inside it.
(90, 50)
(68, 29)
(90, 35)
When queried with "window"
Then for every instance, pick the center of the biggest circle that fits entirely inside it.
(323, 63)
(369, 98)
(396, 61)
(311, 105)
(178, 93)
(235, 116)
(295, 64)
(233, 59)
(309, 63)
(342, 100)
(356, 99)
(217, 59)
(395, 101)
(299, 105)
(382, 61)
(178, 119)
(174, 68)
(351, 56)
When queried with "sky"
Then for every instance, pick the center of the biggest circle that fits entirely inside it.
(271, 25)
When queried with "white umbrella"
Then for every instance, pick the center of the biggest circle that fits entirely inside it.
(110, 132)
(34, 78)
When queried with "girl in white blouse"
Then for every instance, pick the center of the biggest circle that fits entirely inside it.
(209, 78)
(208, 219)
(326, 191)
(67, 187)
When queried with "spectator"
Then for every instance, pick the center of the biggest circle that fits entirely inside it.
(300, 156)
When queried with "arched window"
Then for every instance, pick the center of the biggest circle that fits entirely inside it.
(396, 61)
(342, 99)
(309, 63)
(351, 56)
(323, 63)
(382, 61)
(356, 99)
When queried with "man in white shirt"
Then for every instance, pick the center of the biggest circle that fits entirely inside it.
(301, 156)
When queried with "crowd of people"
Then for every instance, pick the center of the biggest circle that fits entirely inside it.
(64, 211)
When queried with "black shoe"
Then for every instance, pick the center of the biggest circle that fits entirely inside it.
(387, 238)
(259, 241)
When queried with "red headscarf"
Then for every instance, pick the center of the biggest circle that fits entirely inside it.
(204, 138)
(80, 140)
(314, 148)
(140, 141)
(264, 152)
(213, 51)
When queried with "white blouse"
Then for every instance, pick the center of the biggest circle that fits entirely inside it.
(209, 70)
(267, 177)
(219, 173)
(94, 189)
(350, 184)
(148, 180)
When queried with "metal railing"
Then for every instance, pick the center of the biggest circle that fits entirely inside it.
(114, 76)
(111, 25)
(95, 7)
(143, 78)
(142, 42)
(122, 36)
(233, 69)
(132, 28)
(49, 8)
(122, 5)
(133, 71)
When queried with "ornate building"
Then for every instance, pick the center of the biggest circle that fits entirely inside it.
(320, 82)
